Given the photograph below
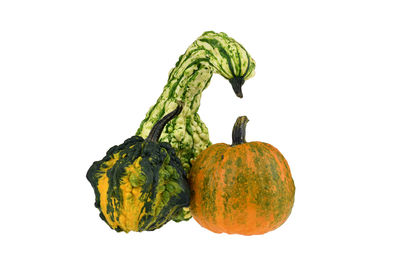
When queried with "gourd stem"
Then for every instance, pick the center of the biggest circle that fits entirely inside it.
(157, 129)
(239, 131)
(237, 83)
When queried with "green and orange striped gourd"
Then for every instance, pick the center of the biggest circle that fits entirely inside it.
(140, 185)
(243, 188)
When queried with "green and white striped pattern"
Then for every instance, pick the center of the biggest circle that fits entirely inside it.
(210, 53)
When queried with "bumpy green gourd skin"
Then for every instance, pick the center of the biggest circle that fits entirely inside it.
(139, 185)
(210, 53)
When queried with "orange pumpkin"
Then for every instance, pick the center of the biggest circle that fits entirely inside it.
(243, 188)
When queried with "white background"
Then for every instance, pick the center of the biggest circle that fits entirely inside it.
(77, 77)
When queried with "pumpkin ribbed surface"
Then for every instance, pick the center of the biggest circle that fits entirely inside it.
(244, 189)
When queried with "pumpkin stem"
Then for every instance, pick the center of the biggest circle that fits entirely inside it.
(157, 129)
(239, 131)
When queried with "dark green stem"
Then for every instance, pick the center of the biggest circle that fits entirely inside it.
(157, 129)
(237, 83)
(239, 131)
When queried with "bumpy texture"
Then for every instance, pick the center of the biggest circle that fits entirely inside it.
(210, 53)
(245, 189)
(139, 185)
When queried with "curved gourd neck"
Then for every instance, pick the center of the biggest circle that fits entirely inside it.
(187, 85)
(210, 53)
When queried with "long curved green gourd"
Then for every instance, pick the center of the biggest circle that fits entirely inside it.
(210, 53)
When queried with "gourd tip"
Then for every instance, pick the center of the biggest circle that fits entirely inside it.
(237, 83)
